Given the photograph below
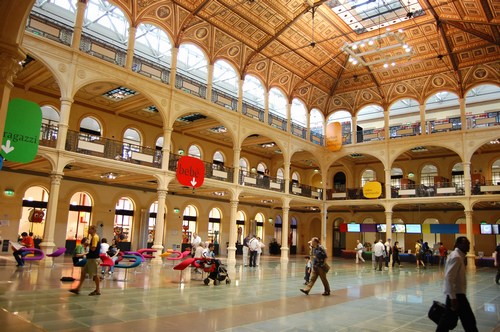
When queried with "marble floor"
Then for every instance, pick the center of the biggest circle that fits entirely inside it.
(265, 298)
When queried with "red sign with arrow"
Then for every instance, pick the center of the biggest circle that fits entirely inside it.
(190, 171)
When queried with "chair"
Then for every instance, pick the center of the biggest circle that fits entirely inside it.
(106, 261)
(135, 261)
(36, 255)
(56, 253)
(147, 253)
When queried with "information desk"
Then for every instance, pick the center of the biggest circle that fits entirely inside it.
(485, 262)
(406, 258)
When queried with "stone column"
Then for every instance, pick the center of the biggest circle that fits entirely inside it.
(233, 232)
(48, 244)
(423, 124)
(165, 157)
(81, 6)
(210, 82)
(471, 255)
(63, 125)
(10, 64)
(354, 130)
(240, 96)
(467, 179)
(388, 191)
(386, 126)
(324, 215)
(463, 117)
(286, 174)
(160, 226)
(173, 67)
(130, 47)
(266, 107)
(236, 165)
(388, 224)
(308, 127)
(289, 117)
(285, 249)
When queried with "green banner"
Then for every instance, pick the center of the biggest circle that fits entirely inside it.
(22, 131)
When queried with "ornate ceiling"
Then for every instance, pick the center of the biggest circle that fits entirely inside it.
(454, 43)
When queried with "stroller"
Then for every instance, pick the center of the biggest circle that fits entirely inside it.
(216, 272)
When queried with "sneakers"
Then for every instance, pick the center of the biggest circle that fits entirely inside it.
(75, 291)
(95, 293)
(304, 291)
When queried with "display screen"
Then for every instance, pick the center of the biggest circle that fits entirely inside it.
(354, 228)
(413, 228)
(486, 229)
(398, 228)
(495, 228)
(381, 228)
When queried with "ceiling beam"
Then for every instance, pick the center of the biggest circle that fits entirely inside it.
(473, 32)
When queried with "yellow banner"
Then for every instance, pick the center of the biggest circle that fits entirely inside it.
(372, 189)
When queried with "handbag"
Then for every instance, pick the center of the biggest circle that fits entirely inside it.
(326, 267)
(438, 310)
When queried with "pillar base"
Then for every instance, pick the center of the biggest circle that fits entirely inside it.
(47, 248)
(231, 255)
(471, 262)
(284, 254)
(157, 260)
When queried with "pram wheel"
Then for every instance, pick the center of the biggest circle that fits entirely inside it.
(216, 282)
(228, 281)
(206, 281)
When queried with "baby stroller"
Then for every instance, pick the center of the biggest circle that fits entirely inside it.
(216, 272)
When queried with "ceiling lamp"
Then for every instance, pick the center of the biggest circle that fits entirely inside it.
(377, 48)
(109, 175)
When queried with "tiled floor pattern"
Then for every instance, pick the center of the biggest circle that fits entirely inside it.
(257, 299)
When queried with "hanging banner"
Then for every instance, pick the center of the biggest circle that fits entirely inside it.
(334, 136)
(372, 189)
(190, 171)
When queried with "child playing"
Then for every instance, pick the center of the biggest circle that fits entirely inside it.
(307, 270)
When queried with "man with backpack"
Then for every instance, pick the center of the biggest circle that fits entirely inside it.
(319, 267)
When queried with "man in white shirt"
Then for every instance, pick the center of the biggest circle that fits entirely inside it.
(359, 252)
(253, 244)
(195, 243)
(378, 251)
(455, 286)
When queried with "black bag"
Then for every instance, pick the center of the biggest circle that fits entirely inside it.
(438, 310)
(67, 279)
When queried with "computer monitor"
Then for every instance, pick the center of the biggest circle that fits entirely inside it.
(486, 229)
(381, 228)
(398, 228)
(495, 228)
(413, 228)
(353, 228)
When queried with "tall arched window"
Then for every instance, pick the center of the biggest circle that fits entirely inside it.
(79, 216)
(295, 178)
(396, 176)
(495, 172)
(194, 151)
(218, 160)
(35, 198)
(243, 164)
(278, 226)
(404, 118)
(253, 91)
(370, 123)
(427, 175)
(298, 112)
(225, 78)
(481, 103)
(153, 44)
(277, 103)
(189, 217)
(240, 222)
(107, 21)
(259, 225)
(124, 218)
(92, 127)
(50, 120)
(192, 63)
(153, 213)
(214, 221)
(457, 177)
(317, 126)
(442, 112)
(367, 176)
(280, 174)
(131, 142)
(345, 120)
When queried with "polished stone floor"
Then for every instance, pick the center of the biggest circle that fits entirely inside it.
(264, 298)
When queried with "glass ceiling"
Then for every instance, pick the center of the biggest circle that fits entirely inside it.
(368, 15)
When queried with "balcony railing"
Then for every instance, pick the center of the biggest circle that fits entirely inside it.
(111, 149)
(224, 99)
(48, 135)
(212, 170)
(261, 181)
(253, 111)
(44, 26)
(488, 187)
(277, 121)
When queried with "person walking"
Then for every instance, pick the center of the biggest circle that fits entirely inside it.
(319, 267)
(92, 263)
(388, 253)
(379, 252)
(443, 252)
(395, 254)
(455, 285)
(245, 249)
(359, 252)
(253, 245)
(419, 254)
(497, 263)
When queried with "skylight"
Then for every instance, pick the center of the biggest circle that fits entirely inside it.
(368, 15)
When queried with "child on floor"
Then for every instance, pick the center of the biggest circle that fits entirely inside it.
(307, 270)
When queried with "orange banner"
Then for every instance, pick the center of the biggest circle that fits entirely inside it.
(334, 136)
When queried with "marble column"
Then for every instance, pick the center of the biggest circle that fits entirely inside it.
(233, 233)
(285, 249)
(159, 226)
(63, 125)
(471, 255)
(48, 244)
(81, 6)
(130, 47)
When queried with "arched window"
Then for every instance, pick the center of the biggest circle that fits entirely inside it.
(194, 151)
(91, 127)
(370, 122)
(159, 150)
(131, 142)
(240, 222)
(277, 103)
(299, 112)
(214, 221)
(259, 225)
(457, 177)
(345, 120)
(189, 217)
(124, 217)
(295, 178)
(243, 164)
(79, 216)
(396, 176)
(495, 172)
(225, 78)
(367, 176)
(427, 175)
(280, 174)
(153, 44)
(106, 21)
(35, 198)
(218, 160)
(192, 63)
(253, 91)
(404, 118)
(50, 120)
(481, 103)
(317, 126)
(278, 225)
(442, 112)
(153, 213)
(261, 168)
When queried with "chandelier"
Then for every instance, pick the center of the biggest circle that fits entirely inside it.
(383, 49)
